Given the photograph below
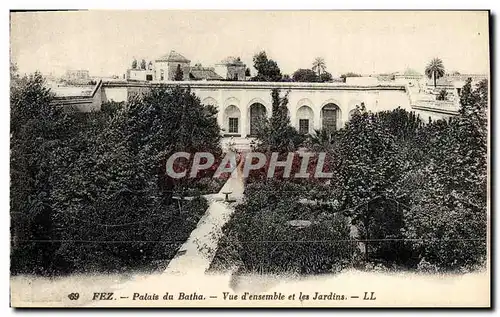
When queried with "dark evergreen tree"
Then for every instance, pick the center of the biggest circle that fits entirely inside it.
(276, 133)
(179, 74)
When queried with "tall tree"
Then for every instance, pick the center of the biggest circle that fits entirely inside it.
(369, 171)
(143, 64)
(319, 65)
(435, 70)
(179, 75)
(40, 133)
(277, 133)
(267, 69)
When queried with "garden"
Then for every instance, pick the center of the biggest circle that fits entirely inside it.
(90, 193)
(406, 194)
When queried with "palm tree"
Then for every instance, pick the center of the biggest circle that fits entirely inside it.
(322, 137)
(319, 65)
(435, 69)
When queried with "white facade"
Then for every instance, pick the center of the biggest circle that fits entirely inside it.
(140, 74)
(321, 104)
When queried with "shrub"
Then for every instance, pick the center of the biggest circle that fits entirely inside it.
(89, 191)
(142, 245)
(442, 95)
(261, 239)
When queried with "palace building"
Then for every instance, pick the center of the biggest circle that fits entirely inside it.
(165, 67)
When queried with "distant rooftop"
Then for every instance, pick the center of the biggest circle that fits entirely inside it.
(451, 79)
(173, 56)
(231, 60)
(204, 73)
(411, 72)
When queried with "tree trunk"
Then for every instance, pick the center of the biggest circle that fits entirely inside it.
(434, 76)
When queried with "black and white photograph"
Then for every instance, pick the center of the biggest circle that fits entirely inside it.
(250, 158)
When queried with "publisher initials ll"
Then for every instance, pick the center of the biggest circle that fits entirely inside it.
(372, 296)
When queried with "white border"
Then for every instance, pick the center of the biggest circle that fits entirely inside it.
(197, 4)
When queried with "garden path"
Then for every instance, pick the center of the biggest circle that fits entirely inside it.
(196, 254)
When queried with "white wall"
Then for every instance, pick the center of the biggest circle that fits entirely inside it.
(117, 94)
(361, 80)
(315, 96)
(158, 66)
(221, 70)
(346, 100)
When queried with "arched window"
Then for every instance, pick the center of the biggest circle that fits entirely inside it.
(330, 116)
(305, 119)
(232, 118)
(257, 113)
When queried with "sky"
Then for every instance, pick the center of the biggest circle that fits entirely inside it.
(106, 42)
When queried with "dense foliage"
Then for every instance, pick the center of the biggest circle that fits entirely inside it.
(349, 74)
(89, 191)
(267, 69)
(261, 238)
(442, 95)
(308, 75)
(413, 193)
(277, 133)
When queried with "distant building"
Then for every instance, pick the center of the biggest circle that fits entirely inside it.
(166, 66)
(77, 76)
(139, 74)
(231, 68)
(453, 84)
(199, 72)
(410, 78)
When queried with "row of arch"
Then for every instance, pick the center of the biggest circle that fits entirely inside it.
(330, 117)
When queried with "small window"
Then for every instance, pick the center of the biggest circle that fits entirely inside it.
(304, 126)
(233, 125)
(162, 74)
(149, 77)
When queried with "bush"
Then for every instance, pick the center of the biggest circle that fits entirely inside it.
(89, 191)
(260, 239)
(442, 95)
(448, 238)
(142, 245)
